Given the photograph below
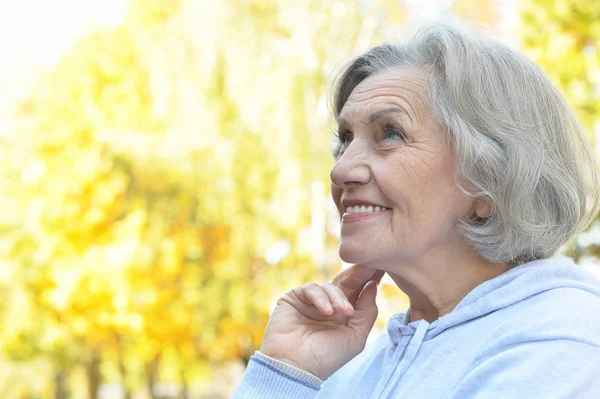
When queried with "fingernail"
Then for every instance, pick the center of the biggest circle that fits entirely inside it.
(329, 307)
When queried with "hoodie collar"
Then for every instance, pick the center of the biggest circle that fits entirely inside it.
(400, 325)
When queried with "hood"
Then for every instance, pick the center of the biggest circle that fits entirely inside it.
(512, 286)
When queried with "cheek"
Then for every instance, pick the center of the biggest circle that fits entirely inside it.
(424, 185)
(446, 204)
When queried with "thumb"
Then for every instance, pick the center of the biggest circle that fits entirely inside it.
(365, 311)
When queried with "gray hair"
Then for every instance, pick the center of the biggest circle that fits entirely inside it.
(516, 141)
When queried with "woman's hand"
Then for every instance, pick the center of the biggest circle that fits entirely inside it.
(319, 328)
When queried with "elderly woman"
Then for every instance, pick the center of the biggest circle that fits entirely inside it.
(459, 172)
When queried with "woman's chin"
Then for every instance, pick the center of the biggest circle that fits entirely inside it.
(354, 254)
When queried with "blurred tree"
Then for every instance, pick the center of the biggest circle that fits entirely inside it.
(77, 233)
(563, 37)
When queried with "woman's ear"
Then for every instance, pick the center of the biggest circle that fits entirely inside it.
(483, 208)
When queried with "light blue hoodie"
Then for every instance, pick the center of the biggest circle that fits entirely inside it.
(532, 332)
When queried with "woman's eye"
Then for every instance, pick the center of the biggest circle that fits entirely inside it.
(345, 137)
(392, 133)
(343, 141)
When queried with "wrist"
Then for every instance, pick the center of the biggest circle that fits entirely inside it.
(290, 367)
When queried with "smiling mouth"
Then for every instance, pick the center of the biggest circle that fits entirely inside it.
(357, 213)
(365, 209)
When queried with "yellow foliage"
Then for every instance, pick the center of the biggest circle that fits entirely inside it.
(562, 37)
(484, 13)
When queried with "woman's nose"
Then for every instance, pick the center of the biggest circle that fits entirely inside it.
(351, 169)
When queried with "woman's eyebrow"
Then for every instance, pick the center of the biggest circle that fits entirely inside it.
(342, 121)
(375, 115)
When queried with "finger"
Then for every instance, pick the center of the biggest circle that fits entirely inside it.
(366, 300)
(366, 310)
(353, 278)
(313, 294)
(376, 277)
(338, 299)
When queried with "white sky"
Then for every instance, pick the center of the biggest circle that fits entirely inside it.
(33, 35)
(38, 30)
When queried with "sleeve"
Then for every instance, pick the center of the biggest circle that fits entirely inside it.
(555, 368)
(267, 378)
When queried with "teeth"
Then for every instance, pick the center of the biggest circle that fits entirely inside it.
(364, 208)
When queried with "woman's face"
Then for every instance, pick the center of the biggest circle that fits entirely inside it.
(393, 179)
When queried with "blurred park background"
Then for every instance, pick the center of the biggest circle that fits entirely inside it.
(165, 173)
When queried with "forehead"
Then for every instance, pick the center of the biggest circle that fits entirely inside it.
(405, 87)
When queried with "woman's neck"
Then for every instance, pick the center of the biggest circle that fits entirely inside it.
(437, 287)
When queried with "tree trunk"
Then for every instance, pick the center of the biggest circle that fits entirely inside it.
(122, 368)
(123, 372)
(184, 385)
(92, 371)
(60, 384)
(152, 375)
